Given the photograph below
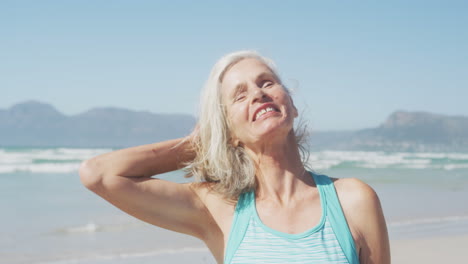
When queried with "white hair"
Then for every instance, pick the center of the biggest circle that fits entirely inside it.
(217, 160)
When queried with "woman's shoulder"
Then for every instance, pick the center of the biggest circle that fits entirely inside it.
(360, 204)
(354, 189)
(357, 198)
(364, 214)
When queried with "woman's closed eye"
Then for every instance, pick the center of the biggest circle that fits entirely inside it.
(239, 97)
(267, 83)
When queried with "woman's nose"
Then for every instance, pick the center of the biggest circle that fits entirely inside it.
(258, 95)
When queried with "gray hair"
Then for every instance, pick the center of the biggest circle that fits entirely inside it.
(217, 160)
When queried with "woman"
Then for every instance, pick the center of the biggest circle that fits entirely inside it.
(254, 202)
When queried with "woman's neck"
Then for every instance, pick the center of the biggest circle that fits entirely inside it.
(280, 172)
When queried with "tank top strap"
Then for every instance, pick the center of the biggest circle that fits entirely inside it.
(336, 216)
(240, 222)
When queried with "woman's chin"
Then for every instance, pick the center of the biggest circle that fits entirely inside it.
(275, 126)
(272, 133)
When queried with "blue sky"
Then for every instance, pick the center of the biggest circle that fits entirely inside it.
(350, 63)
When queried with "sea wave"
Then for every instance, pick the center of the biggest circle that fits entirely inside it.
(381, 160)
(40, 168)
(66, 160)
(45, 160)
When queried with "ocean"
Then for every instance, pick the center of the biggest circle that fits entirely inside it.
(47, 216)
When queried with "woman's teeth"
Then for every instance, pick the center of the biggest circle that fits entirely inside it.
(263, 111)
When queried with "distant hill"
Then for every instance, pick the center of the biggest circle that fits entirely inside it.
(402, 131)
(37, 124)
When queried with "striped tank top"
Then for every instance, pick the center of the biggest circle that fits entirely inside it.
(250, 241)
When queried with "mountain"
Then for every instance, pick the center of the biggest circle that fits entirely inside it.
(36, 124)
(402, 131)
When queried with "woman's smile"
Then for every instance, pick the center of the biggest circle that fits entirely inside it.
(266, 110)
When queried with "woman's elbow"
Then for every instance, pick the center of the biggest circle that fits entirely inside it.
(90, 175)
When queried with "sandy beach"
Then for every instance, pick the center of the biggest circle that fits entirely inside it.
(450, 249)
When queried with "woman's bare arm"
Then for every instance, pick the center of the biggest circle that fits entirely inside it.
(123, 178)
(143, 161)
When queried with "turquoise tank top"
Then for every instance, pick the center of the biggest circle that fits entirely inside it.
(250, 241)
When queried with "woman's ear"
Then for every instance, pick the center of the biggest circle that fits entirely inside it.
(295, 112)
(235, 142)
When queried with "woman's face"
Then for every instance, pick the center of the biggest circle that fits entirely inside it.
(258, 107)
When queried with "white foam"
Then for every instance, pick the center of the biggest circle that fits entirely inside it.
(12, 158)
(433, 220)
(50, 154)
(92, 227)
(66, 160)
(40, 168)
(378, 159)
(433, 155)
(454, 166)
(52, 160)
(88, 228)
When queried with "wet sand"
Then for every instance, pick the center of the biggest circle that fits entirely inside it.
(449, 249)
